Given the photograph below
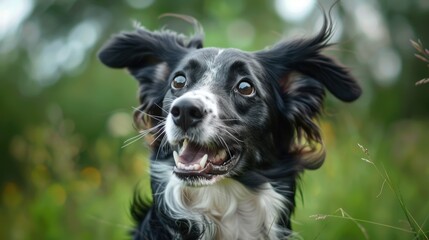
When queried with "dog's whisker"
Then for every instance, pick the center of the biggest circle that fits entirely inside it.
(224, 144)
(162, 109)
(232, 136)
(131, 142)
(160, 129)
(149, 130)
(155, 139)
(132, 138)
(159, 118)
(158, 135)
(142, 134)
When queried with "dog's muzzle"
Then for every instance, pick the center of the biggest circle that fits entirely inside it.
(201, 151)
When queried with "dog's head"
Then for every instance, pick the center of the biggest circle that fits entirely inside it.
(221, 111)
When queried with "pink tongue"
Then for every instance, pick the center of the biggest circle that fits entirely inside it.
(193, 153)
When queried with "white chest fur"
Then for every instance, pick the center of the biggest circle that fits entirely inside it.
(227, 209)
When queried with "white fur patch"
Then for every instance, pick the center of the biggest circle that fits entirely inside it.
(209, 76)
(161, 71)
(207, 130)
(227, 209)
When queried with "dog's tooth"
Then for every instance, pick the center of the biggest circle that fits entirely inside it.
(203, 160)
(217, 158)
(184, 145)
(181, 165)
(176, 158)
(222, 154)
(197, 166)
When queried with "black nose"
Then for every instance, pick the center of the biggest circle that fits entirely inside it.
(187, 113)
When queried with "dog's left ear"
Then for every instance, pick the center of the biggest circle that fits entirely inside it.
(304, 57)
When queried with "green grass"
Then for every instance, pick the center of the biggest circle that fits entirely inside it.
(356, 195)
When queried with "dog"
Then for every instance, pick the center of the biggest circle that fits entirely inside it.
(231, 130)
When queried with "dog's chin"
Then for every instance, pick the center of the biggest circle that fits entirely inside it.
(201, 165)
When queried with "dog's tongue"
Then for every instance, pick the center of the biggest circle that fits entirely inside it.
(193, 153)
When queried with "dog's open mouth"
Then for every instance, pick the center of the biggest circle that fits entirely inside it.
(194, 160)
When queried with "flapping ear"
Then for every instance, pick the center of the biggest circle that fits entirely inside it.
(149, 57)
(304, 56)
(301, 73)
(144, 48)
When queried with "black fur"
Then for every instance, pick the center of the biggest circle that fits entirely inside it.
(279, 122)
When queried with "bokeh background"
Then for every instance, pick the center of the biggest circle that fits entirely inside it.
(64, 173)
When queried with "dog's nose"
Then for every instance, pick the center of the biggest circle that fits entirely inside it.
(187, 113)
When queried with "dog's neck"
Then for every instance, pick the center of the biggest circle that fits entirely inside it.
(227, 209)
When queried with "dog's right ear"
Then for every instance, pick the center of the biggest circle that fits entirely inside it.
(149, 57)
(143, 48)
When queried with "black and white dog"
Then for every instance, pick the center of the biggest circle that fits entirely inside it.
(232, 130)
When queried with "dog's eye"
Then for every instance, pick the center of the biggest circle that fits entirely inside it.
(245, 88)
(178, 82)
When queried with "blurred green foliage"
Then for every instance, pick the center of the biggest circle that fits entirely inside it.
(64, 117)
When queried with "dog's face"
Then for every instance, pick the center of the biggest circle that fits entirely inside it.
(218, 112)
